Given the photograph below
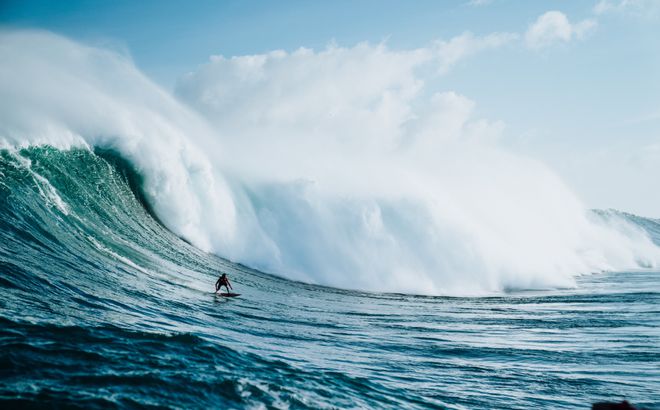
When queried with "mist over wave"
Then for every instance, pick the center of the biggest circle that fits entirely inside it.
(335, 167)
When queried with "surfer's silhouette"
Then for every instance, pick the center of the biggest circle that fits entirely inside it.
(223, 280)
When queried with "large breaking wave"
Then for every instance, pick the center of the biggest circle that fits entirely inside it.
(334, 167)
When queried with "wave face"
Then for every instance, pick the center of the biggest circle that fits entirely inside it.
(382, 196)
(103, 307)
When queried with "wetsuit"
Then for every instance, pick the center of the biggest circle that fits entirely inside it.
(222, 281)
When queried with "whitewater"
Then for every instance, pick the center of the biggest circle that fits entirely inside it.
(391, 252)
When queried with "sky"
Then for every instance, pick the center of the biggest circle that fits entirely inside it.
(575, 84)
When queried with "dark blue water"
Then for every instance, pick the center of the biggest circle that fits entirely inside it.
(102, 307)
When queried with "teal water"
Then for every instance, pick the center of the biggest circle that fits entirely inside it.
(102, 307)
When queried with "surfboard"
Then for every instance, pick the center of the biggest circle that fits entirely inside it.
(229, 295)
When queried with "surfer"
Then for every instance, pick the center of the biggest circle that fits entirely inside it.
(223, 280)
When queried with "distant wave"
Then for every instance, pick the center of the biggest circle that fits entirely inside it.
(434, 207)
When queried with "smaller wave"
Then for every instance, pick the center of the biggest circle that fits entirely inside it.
(650, 226)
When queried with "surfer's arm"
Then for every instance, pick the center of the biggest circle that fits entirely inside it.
(228, 283)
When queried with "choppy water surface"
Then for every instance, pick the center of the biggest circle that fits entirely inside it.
(102, 307)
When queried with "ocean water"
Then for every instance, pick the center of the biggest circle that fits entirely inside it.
(396, 256)
(102, 307)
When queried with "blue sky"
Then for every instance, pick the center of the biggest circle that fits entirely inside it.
(587, 104)
(168, 37)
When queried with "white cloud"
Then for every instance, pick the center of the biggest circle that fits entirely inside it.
(635, 7)
(354, 93)
(477, 3)
(361, 93)
(606, 6)
(467, 44)
(553, 27)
